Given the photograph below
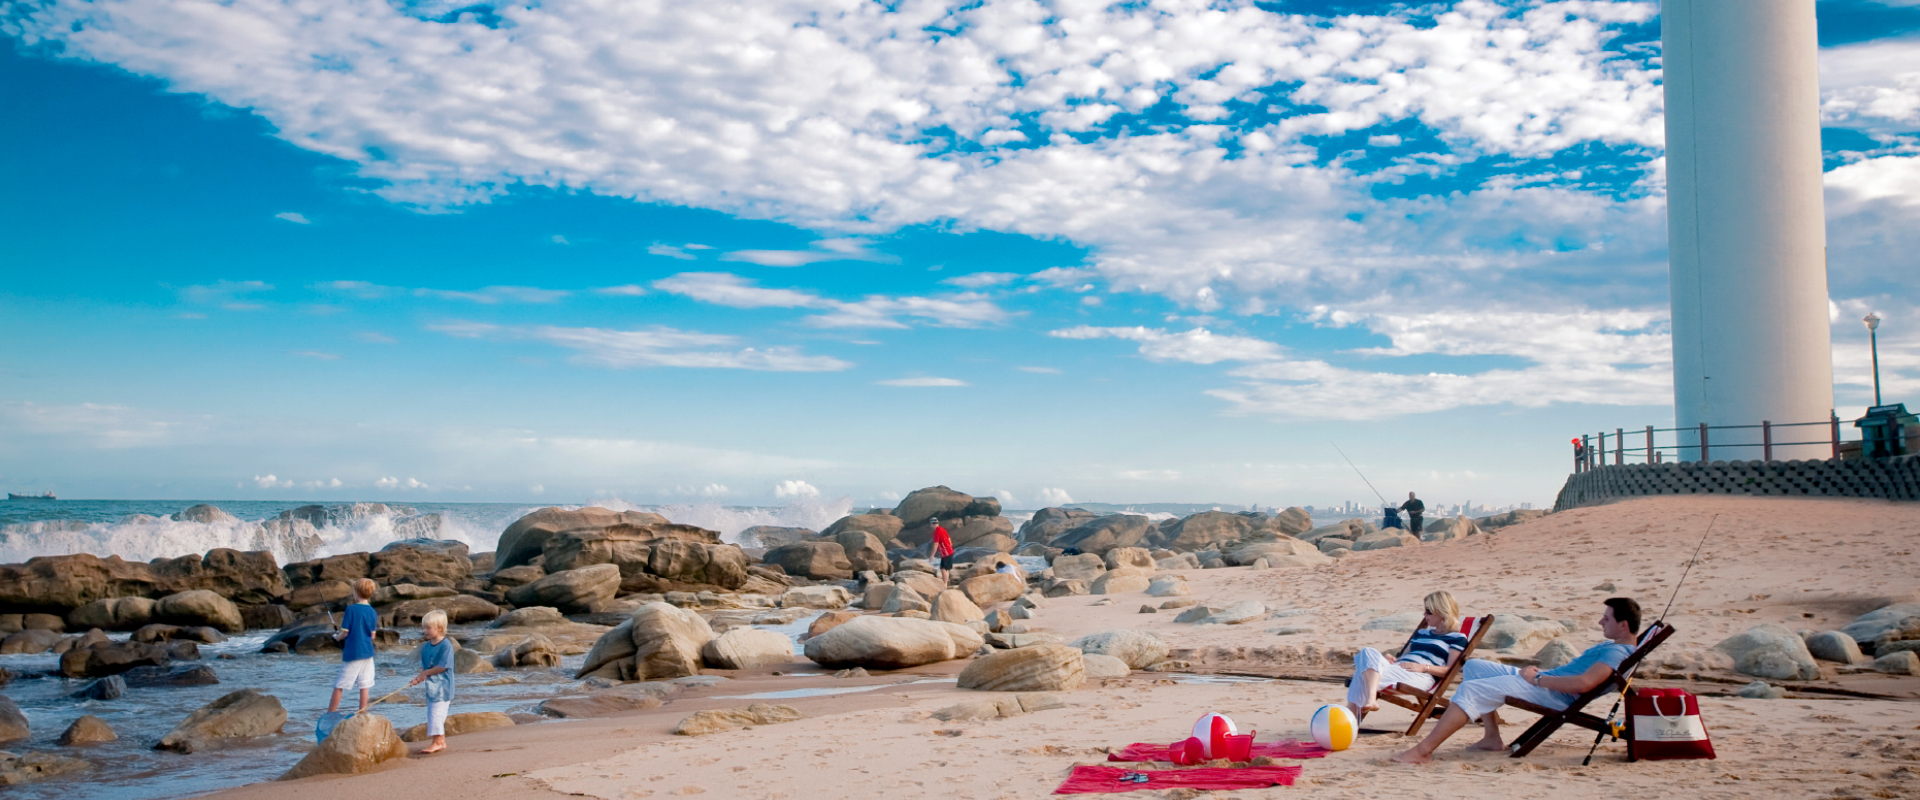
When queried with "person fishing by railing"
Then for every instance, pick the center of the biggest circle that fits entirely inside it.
(1414, 509)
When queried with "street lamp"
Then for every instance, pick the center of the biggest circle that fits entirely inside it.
(1873, 324)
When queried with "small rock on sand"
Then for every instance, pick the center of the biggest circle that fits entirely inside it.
(1149, 610)
(1101, 666)
(1403, 622)
(1040, 668)
(1138, 649)
(1761, 690)
(701, 723)
(88, 729)
(1903, 662)
(1237, 614)
(1769, 651)
(355, 746)
(1290, 630)
(1833, 646)
(1195, 614)
(1178, 602)
(1557, 653)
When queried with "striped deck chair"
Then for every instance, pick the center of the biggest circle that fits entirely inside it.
(1430, 703)
(1552, 718)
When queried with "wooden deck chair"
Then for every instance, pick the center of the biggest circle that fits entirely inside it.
(1552, 718)
(1429, 703)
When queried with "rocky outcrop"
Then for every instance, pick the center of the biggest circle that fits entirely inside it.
(61, 584)
(345, 568)
(1207, 529)
(526, 538)
(769, 536)
(656, 643)
(747, 648)
(864, 551)
(532, 650)
(422, 562)
(13, 722)
(199, 607)
(715, 720)
(952, 605)
(1049, 523)
(997, 587)
(461, 724)
(356, 745)
(36, 767)
(573, 591)
(1283, 552)
(891, 643)
(1770, 651)
(935, 501)
(88, 729)
(1139, 649)
(459, 608)
(112, 614)
(1101, 534)
(817, 560)
(240, 715)
(1039, 668)
(113, 658)
(1121, 581)
(884, 527)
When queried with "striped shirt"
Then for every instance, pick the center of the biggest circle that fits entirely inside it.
(1432, 648)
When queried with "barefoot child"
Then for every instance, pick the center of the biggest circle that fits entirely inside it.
(356, 645)
(436, 671)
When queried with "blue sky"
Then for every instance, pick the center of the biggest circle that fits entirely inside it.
(1158, 252)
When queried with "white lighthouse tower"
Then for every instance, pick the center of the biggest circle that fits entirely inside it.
(1745, 221)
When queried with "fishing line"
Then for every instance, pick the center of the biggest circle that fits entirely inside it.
(1356, 471)
(1690, 563)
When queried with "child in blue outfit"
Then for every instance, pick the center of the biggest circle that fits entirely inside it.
(356, 645)
(436, 671)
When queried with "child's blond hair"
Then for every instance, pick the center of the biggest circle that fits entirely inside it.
(434, 620)
(364, 588)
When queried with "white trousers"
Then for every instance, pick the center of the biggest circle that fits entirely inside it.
(1390, 674)
(1486, 685)
(437, 718)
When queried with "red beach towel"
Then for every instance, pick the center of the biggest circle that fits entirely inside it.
(1282, 749)
(1100, 780)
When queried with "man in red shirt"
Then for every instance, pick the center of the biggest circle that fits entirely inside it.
(942, 550)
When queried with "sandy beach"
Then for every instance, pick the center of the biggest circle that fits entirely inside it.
(1813, 564)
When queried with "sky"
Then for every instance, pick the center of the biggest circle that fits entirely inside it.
(753, 253)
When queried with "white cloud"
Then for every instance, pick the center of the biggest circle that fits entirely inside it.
(1040, 370)
(922, 382)
(375, 337)
(271, 482)
(1383, 140)
(726, 289)
(842, 249)
(558, 239)
(1006, 498)
(1197, 346)
(670, 251)
(491, 295)
(1872, 85)
(317, 355)
(652, 347)
(966, 310)
(795, 489)
(628, 290)
(387, 483)
(537, 489)
(294, 217)
(1055, 497)
(982, 280)
(226, 294)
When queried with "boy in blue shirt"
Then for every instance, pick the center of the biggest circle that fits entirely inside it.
(436, 671)
(356, 645)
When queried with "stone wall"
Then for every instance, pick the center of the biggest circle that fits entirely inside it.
(1893, 479)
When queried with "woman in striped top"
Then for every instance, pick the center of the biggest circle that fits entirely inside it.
(1433, 648)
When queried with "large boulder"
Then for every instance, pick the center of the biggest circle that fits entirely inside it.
(1891, 623)
(1382, 540)
(704, 563)
(933, 501)
(816, 597)
(952, 605)
(356, 745)
(864, 551)
(1348, 529)
(926, 584)
(1039, 668)
(459, 608)
(1833, 646)
(345, 568)
(1292, 522)
(88, 729)
(1138, 558)
(1048, 523)
(891, 643)
(1770, 651)
(1101, 534)
(884, 527)
(657, 643)
(997, 587)
(29, 642)
(112, 614)
(239, 715)
(1510, 632)
(1283, 552)
(199, 607)
(112, 658)
(13, 722)
(422, 562)
(817, 560)
(532, 650)
(1139, 649)
(527, 536)
(1122, 581)
(905, 598)
(60, 584)
(1447, 529)
(747, 648)
(573, 591)
(1082, 567)
(1205, 530)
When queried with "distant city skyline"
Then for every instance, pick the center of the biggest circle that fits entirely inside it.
(417, 250)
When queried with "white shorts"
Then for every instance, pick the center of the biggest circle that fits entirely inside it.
(437, 718)
(1390, 673)
(1486, 685)
(355, 675)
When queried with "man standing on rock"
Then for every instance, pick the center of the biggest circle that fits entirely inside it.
(942, 550)
(1414, 509)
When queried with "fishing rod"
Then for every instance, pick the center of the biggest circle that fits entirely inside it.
(1356, 471)
(1598, 737)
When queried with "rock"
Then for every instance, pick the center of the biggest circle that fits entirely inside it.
(1510, 632)
(1084, 567)
(995, 588)
(817, 560)
(876, 596)
(1121, 581)
(532, 617)
(925, 584)
(36, 767)
(152, 677)
(953, 605)
(13, 722)
(388, 595)
(904, 598)
(112, 687)
(864, 551)
(1382, 540)
(88, 729)
(1330, 544)
(1214, 563)
(658, 642)
(1178, 602)
(1205, 529)
(1020, 612)
(1009, 641)
(522, 575)
(771, 536)
(1833, 646)
(1178, 561)
(527, 537)
(1049, 523)
(112, 658)
(1513, 517)
(1238, 614)
(1196, 614)
(1449, 529)
(1555, 654)
(934, 501)
(828, 621)
(29, 642)
(1902, 662)
(533, 650)
(1131, 557)
(112, 614)
(828, 597)
(890, 643)
(1139, 649)
(1768, 651)
(204, 513)
(59, 585)
(164, 633)
(1284, 552)
(572, 591)
(1168, 586)
(1292, 522)
(883, 527)
(239, 715)
(356, 745)
(460, 724)
(1104, 666)
(701, 723)
(1897, 621)
(199, 607)
(334, 595)
(747, 648)
(1101, 534)
(345, 568)
(1349, 529)
(631, 697)
(1761, 690)
(1065, 588)
(422, 562)
(1040, 668)
(271, 616)
(460, 609)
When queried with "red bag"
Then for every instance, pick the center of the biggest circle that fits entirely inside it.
(1664, 724)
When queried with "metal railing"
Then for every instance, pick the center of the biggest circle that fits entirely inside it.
(1593, 450)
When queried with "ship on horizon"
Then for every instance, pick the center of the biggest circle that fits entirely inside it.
(40, 496)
